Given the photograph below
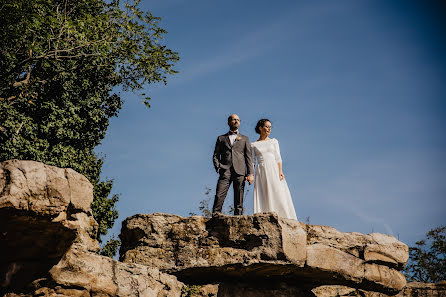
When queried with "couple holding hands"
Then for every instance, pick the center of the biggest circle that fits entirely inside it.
(234, 158)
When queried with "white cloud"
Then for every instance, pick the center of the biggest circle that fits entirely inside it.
(390, 192)
(250, 45)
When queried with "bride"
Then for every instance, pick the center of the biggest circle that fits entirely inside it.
(271, 191)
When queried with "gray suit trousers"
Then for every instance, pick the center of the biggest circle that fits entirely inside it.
(228, 176)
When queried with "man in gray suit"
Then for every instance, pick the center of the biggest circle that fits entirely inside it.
(233, 162)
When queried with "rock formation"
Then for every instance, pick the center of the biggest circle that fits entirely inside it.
(263, 246)
(48, 248)
(413, 289)
(47, 244)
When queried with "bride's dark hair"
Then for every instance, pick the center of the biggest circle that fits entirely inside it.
(261, 123)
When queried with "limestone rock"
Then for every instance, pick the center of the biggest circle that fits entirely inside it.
(263, 246)
(100, 275)
(412, 289)
(415, 289)
(375, 247)
(174, 243)
(247, 289)
(261, 290)
(335, 291)
(47, 240)
(47, 248)
(330, 259)
(84, 274)
(43, 189)
(32, 191)
(43, 211)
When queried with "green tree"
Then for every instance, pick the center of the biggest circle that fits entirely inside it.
(61, 63)
(427, 260)
(111, 247)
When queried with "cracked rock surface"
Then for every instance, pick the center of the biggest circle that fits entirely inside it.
(48, 247)
(48, 240)
(413, 289)
(263, 246)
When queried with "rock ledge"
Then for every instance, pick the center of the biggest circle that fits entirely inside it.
(263, 246)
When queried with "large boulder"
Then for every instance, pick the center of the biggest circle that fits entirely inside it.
(43, 189)
(90, 273)
(263, 247)
(84, 274)
(173, 243)
(48, 240)
(43, 211)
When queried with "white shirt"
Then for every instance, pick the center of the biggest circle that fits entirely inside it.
(232, 137)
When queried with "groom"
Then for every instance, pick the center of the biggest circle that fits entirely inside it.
(233, 162)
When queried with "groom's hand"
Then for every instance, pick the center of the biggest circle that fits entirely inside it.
(250, 179)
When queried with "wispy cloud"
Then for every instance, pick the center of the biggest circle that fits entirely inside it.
(290, 25)
(371, 218)
(385, 192)
(250, 45)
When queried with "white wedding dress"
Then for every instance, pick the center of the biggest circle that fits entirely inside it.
(270, 193)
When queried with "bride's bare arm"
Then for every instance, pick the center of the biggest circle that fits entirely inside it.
(281, 176)
(278, 158)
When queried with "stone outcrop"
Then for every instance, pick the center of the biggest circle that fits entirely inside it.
(241, 289)
(83, 273)
(416, 289)
(47, 239)
(48, 248)
(413, 289)
(108, 277)
(263, 246)
(282, 289)
(43, 210)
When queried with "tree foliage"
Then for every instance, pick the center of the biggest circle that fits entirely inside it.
(427, 260)
(192, 291)
(61, 62)
(111, 247)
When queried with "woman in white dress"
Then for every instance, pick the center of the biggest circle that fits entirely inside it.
(271, 191)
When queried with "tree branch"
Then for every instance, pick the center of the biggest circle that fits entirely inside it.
(19, 128)
(25, 81)
(3, 130)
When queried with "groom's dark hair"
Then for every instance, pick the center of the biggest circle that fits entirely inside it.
(261, 123)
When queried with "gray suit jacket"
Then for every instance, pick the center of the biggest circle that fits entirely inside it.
(238, 155)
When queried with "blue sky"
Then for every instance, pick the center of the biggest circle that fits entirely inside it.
(355, 91)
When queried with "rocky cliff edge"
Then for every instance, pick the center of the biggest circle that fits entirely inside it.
(48, 247)
(266, 247)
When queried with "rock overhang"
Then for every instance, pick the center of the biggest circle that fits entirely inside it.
(260, 254)
(266, 247)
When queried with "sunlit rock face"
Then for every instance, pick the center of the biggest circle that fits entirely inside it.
(413, 289)
(266, 247)
(48, 240)
(43, 211)
(416, 289)
(48, 247)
